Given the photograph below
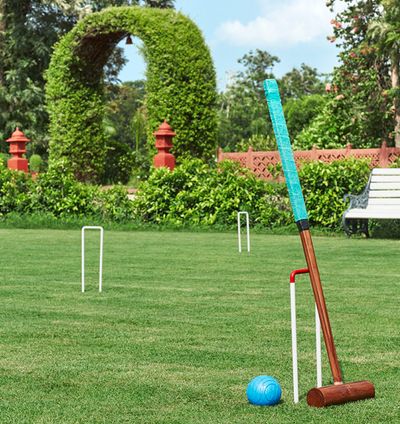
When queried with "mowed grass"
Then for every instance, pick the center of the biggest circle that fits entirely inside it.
(184, 323)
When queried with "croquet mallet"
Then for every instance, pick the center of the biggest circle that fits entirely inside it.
(339, 392)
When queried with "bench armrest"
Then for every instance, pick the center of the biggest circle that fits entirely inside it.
(357, 201)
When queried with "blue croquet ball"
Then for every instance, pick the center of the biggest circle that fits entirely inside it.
(264, 390)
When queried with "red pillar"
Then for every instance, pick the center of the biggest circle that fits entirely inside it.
(164, 136)
(17, 149)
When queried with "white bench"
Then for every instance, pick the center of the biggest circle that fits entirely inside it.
(379, 200)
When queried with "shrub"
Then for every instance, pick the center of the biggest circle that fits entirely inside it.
(15, 189)
(3, 159)
(195, 194)
(119, 164)
(35, 163)
(113, 204)
(58, 193)
(325, 184)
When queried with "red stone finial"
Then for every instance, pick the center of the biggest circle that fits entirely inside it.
(17, 149)
(164, 136)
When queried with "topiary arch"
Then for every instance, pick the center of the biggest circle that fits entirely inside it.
(180, 85)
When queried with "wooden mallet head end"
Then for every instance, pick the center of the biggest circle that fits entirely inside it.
(340, 393)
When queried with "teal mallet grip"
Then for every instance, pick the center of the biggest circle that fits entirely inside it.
(285, 150)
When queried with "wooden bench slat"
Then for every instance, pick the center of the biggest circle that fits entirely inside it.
(384, 201)
(381, 213)
(384, 193)
(384, 186)
(385, 179)
(386, 171)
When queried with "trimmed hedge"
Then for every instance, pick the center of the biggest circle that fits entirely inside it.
(181, 85)
(57, 194)
(192, 195)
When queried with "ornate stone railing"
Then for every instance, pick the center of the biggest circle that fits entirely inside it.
(260, 162)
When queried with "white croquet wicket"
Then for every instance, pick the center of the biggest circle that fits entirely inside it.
(246, 214)
(294, 337)
(89, 227)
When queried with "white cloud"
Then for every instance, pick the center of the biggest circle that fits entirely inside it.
(287, 22)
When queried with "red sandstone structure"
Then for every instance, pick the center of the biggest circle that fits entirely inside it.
(17, 149)
(260, 162)
(164, 136)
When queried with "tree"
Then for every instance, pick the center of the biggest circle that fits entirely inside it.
(258, 66)
(384, 33)
(28, 31)
(301, 82)
(242, 105)
(161, 4)
(362, 82)
(243, 118)
(126, 132)
(300, 112)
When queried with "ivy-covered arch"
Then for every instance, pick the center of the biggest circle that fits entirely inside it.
(180, 85)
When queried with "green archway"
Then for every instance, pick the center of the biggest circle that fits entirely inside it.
(180, 85)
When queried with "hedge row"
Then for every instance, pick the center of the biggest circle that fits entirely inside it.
(192, 195)
(58, 194)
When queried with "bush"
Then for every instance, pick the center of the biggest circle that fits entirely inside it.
(325, 184)
(3, 159)
(35, 163)
(195, 194)
(113, 204)
(15, 189)
(57, 194)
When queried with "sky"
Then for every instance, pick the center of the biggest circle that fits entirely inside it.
(293, 30)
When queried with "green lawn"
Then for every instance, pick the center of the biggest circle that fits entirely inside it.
(184, 323)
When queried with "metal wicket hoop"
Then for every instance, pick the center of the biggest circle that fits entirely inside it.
(246, 214)
(90, 227)
(294, 336)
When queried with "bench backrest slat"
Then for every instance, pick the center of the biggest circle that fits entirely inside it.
(383, 193)
(385, 179)
(384, 186)
(387, 201)
(386, 171)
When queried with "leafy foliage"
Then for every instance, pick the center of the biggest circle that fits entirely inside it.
(361, 84)
(242, 105)
(325, 184)
(28, 31)
(302, 82)
(15, 188)
(161, 4)
(35, 163)
(125, 128)
(58, 194)
(243, 120)
(180, 85)
(300, 112)
(195, 194)
(192, 195)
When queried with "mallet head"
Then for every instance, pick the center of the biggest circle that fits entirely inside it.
(340, 393)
